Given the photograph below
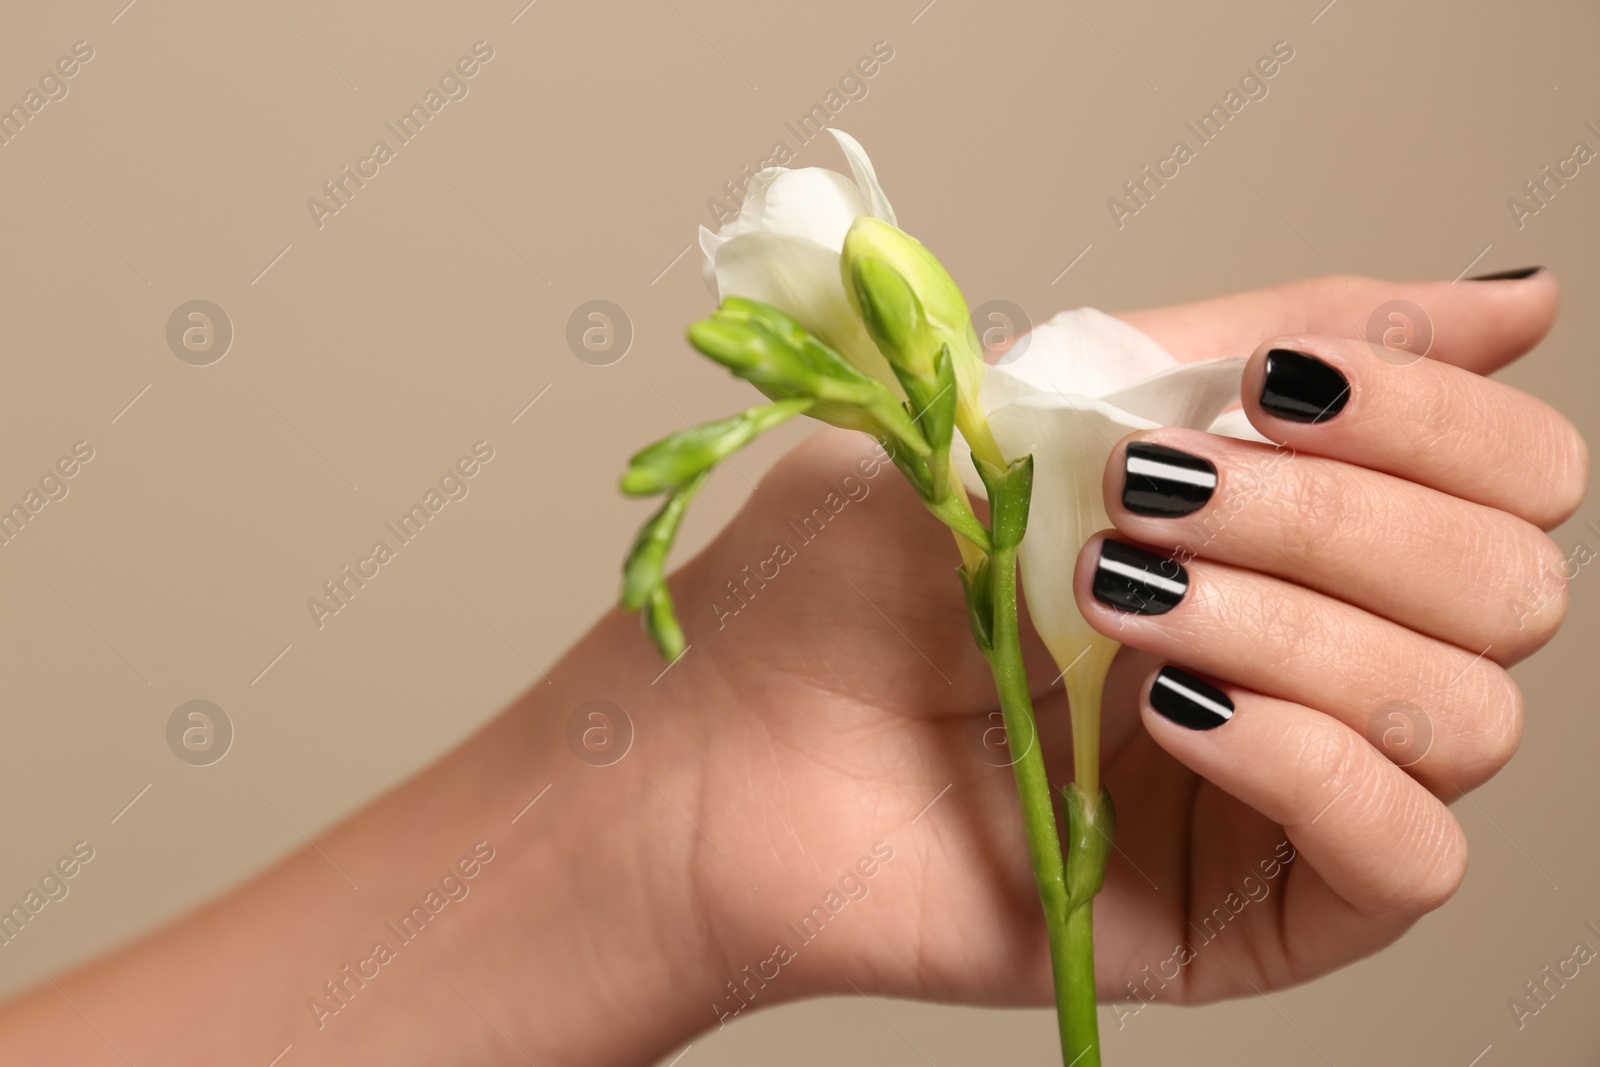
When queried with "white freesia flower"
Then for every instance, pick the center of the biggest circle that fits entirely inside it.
(783, 249)
(1084, 381)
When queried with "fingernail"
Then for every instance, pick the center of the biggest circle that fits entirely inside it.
(1507, 275)
(1187, 701)
(1302, 388)
(1157, 480)
(1132, 579)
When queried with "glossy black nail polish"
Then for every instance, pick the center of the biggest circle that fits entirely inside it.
(1132, 579)
(1187, 701)
(1302, 388)
(1161, 481)
(1507, 275)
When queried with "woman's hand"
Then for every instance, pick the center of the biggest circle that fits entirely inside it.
(1351, 598)
(816, 797)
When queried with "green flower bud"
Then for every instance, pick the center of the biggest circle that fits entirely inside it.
(645, 567)
(893, 317)
(675, 460)
(944, 311)
(777, 355)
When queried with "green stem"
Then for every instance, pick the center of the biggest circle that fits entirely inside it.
(1075, 990)
(1070, 929)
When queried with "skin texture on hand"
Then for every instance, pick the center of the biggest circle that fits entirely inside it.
(812, 802)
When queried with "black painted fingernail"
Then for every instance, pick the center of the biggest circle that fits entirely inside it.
(1134, 580)
(1157, 480)
(1507, 275)
(1302, 388)
(1188, 701)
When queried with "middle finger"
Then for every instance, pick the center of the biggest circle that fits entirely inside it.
(1455, 570)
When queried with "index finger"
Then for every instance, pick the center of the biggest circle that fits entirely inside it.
(1478, 325)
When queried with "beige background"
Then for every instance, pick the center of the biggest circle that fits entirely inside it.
(426, 314)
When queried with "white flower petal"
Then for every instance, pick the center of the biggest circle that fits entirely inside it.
(801, 278)
(1190, 394)
(1086, 352)
(1236, 423)
(709, 243)
(1070, 443)
(866, 177)
(813, 203)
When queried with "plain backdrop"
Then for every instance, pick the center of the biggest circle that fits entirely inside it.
(373, 346)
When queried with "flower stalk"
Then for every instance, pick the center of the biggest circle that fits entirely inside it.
(832, 311)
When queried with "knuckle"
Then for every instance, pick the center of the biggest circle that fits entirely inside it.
(1317, 498)
(1538, 606)
(1329, 758)
(1489, 733)
(1568, 468)
(1500, 733)
(1441, 850)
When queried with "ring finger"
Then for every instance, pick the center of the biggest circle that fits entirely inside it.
(1450, 717)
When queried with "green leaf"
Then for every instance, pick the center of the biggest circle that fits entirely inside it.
(643, 571)
(675, 460)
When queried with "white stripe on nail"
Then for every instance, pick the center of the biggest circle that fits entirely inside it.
(1221, 711)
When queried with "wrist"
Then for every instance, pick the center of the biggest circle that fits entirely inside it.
(609, 865)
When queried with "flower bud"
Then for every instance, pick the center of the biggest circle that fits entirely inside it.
(893, 317)
(878, 259)
(674, 461)
(777, 355)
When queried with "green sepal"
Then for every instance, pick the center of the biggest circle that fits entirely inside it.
(1010, 492)
(980, 603)
(675, 460)
(914, 467)
(932, 403)
(643, 571)
(1090, 831)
